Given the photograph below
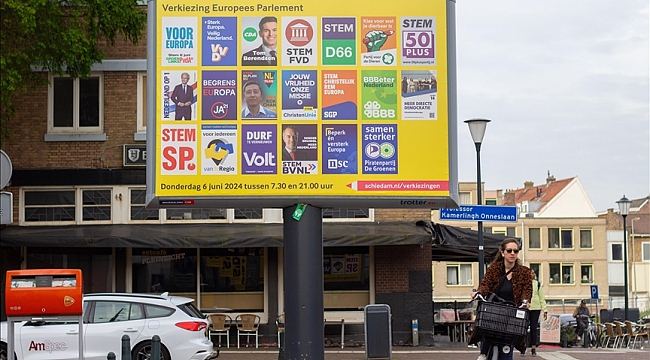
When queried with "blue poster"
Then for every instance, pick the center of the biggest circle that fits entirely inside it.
(379, 146)
(219, 47)
(339, 149)
(259, 149)
(299, 94)
(219, 90)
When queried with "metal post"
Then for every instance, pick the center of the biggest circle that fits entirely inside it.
(625, 263)
(126, 347)
(155, 347)
(303, 283)
(481, 260)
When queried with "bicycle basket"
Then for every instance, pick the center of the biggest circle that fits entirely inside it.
(501, 323)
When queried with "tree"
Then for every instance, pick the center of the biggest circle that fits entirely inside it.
(58, 36)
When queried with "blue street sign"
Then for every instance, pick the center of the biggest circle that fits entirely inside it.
(480, 213)
(594, 292)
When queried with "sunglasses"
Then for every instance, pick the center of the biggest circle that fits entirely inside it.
(510, 251)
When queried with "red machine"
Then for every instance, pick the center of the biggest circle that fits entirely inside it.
(44, 292)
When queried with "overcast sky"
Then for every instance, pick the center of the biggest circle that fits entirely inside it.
(565, 84)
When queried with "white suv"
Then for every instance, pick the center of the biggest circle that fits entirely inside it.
(182, 329)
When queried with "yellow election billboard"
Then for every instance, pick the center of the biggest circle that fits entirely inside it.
(331, 103)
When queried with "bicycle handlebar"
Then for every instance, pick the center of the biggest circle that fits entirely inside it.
(480, 297)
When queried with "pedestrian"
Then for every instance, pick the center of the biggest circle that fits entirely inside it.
(510, 280)
(537, 306)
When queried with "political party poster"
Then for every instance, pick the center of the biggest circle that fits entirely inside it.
(418, 41)
(219, 46)
(178, 95)
(379, 143)
(259, 94)
(379, 94)
(299, 149)
(179, 41)
(339, 149)
(299, 41)
(219, 144)
(419, 93)
(378, 43)
(259, 41)
(339, 94)
(219, 95)
(178, 145)
(259, 149)
(338, 44)
(299, 95)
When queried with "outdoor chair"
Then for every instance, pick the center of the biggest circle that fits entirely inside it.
(636, 333)
(622, 336)
(247, 325)
(219, 326)
(610, 335)
(279, 322)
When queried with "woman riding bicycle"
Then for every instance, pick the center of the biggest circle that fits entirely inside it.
(510, 280)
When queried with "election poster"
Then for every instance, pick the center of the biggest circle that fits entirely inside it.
(219, 95)
(419, 94)
(259, 149)
(179, 41)
(378, 43)
(299, 39)
(178, 144)
(379, 94)
(299, 149)
(179, 95)
(259, 40)
(339, 41)
(339, 150)
(379, 143)
(339, 94)
(259, 94)
(299, 95)
(219, 45)
(219, 144)
(418, 41)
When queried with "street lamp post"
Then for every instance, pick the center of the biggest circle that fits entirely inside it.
(633, 263)
(477, 130)
(624, 207)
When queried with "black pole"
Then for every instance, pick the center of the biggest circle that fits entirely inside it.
(481, 260)
(625, 263)
(303, 284)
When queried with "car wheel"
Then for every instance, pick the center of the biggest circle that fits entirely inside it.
(3, 352)
(143, 352)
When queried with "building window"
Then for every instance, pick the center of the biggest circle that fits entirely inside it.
(490, 201)
(617, 252)
(96, 205)
(49, 206)
(362, 213)
(645, 251)
(197, 214)
(537, 268)
(142, 102)
(560, 238)
(560, 273)
(464, 198)
(510, 231)
(459, 274)
(76, 105)
(137, 209)
(249, 214)
(587, 273)
(534, 238)
(586, 241)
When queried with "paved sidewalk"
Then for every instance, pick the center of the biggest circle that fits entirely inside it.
(426, 353)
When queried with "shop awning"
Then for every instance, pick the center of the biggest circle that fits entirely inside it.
(208, 235)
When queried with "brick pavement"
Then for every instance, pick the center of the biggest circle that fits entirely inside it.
(427, 353)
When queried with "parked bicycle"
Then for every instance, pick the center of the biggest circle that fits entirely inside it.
(501, 324)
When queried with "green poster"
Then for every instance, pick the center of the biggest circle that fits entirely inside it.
(379, 94)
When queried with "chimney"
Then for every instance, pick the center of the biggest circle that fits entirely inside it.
(528, 185)
(550, 178)
(509, 198)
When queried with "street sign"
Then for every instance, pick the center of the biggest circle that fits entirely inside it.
(594, 292)
(480, 213)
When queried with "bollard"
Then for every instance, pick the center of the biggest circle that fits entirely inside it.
(110, 356)
(585, 338)
(126, 347)
(414, 332)
(155, 347)
(281, 353)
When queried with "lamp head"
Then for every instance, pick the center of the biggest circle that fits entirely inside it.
(477, 129)
(624, 205)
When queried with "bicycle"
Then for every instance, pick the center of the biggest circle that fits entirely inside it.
(500, 324)
(593, 335)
